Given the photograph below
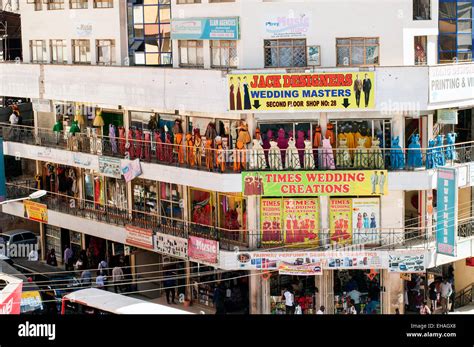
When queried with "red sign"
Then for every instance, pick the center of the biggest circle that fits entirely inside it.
(139, 237)
(10, 296)
(204, 250)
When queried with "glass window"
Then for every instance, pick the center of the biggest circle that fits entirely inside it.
(232, 212)
(464, 26)
(78, 4)
(58, 51)
(223, 53)
(191, 53)
(179, 2)
(447, 42)
(420, 50)
(116, 192)
(447, 10)
(464, 10)
(357, 51)
(105, 52)
(103, 3)
(421, 10)
(56, 5)
(285, 53)
(447, 26)
(464, 42)
(81, 51)
(39, 52)
(171, 201)
(447, 57)
(202, 207)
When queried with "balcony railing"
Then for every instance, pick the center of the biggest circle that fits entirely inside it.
(215, 159)
(380, 238)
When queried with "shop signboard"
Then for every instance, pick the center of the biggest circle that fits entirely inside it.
(203, 250)
(354, 260)
(139, 237)
(446, 223)
(315, 183)
(301, 221)
(366, 221)
(270, 221)
(3, 191)
(131, 169)
(451, 82)
(10, 295)
(171, 245)
(35, 211)
(301, 92)
(287, 25)
(219, 28)
(447, 116)
(340, 221)
(110, 167)
(310, 269)
(407, 262)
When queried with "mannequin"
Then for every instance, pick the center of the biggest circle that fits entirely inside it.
(266, 144)
(282, 142)
(397, 159)
(147, 145)
(138, 143)
(327, 157)
(439, 153)
(190, 150)
(414, 156)
(330, 134)
(361, 155)
(168, 149)
(197, 147)
(178, 137)
(450, 148)
(375, 155)
(274, 156)
(308, 155)
(257, 156)
(220, 155)
(112, 138)
(159, 145)
(317, 137)
(130, 144)
(343, 158)
(209, 154)
(430, 162)
(300, 145)
(292, 159)
(122, 140)
(243, 138)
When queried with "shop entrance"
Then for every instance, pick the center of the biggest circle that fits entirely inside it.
(358, 288)
(304, 290)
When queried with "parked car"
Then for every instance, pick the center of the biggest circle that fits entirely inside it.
(17, 237)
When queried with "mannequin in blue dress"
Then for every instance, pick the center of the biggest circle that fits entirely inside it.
(414, 155)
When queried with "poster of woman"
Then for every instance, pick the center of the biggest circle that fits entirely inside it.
(366, 220)
(340, 221)
(301, 221)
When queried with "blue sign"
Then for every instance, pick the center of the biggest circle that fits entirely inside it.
(221, 28)
(446, 211)
(3, 191)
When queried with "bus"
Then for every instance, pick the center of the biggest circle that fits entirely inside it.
(98, 301)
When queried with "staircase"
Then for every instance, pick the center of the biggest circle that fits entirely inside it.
(464, 297)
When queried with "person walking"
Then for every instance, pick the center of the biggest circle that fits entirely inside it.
(100, 281)
(51, 258)
(433, 295)
(68, 258)
(117, 278)
(446, 291)
(169, 284)
(289, 298)
(86, 277)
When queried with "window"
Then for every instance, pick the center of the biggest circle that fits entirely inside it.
(223, 53)
(355, 51)
(285, 53)
(78, 4)
(81, 50)
(421, 10)
(179, 2)
(38, 51)
(55, 4)
(420, 50)
(38, 5)
(213, 1)
(171, 196)
(58, 51)
(191, 53)
(103, 3)
(105, 52)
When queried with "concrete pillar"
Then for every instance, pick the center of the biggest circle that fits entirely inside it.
(324, 217)
(188, 291)
(326, 291)
(42, 244)
(253, 207)
(255, 292)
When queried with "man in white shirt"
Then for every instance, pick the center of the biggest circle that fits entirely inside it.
(354, 294)
(289, 301)
(321, 310)
(446, 291)
(13, 121)
(13, 118)
(33, 255)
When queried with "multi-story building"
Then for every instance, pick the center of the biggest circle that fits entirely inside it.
(290, 143)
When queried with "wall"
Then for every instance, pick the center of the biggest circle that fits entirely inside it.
(463, 275)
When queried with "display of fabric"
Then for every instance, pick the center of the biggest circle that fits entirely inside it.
(300, 145)
(220, 155)
(397, 158)
(375, 155)
(147, 145)
(274, 156)
(450, 148)
(138, 143)
(439, 152)
(330, 134)
(317, 137)
(131, 145)
(159, 152)
(190, 150)
(282, 142)
(168, 148)
(292, 157)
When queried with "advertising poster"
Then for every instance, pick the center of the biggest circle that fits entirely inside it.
(451, 82)
(446, 221)
(340, 221)
(366, 221)
(172, 245)
(35, 211)
(315, 183)
(110, 166)
(131, 169)
(139, 237)
(356, 260)
(222, 28)
(203, 250)
(406, 263)
(270, 221)
(301, 92)
(287, 25)
(300, 220)
(310, 269)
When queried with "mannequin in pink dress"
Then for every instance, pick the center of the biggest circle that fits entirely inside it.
(300, 145)
(282, 142)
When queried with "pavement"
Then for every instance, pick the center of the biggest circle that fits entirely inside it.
(195, 308)
(468, 309)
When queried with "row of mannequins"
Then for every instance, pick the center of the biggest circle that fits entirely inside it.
(284, 151)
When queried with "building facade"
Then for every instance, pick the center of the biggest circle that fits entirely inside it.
(290, 143)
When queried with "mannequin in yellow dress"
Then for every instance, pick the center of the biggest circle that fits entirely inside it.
(361, 155)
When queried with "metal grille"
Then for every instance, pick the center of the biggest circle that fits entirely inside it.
(285, 53)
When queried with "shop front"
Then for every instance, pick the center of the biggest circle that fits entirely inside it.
(101, 191)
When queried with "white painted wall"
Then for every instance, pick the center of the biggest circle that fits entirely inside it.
(391, 21)
(107, 23)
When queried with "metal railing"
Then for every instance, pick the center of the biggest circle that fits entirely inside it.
(209, 156)
(376, 238)
(464, 296)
